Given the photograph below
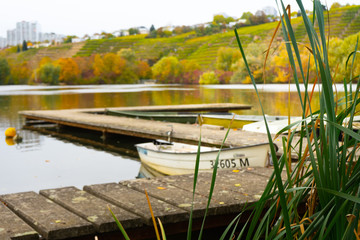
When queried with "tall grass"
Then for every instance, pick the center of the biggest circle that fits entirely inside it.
(320, 197)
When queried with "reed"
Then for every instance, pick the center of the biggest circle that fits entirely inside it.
(319, 199)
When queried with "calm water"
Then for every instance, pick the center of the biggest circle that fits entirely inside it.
(43, 161)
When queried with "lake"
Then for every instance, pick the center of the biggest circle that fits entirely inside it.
(43, 161)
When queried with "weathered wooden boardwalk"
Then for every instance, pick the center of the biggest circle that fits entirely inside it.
(71, 213)
(94, 119)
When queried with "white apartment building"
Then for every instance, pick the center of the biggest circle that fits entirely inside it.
(29, 31)
(3, 42)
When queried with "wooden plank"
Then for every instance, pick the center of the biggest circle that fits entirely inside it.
(136, 202)
(13, 227)
(91, 208)
(231, 192)
(46, 217)
(147, 128)
(171, 194)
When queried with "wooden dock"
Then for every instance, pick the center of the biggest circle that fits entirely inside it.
(71, 213)
(95, 119)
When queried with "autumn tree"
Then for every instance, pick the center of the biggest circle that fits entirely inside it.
(166, 70)
(4, 71)
(45, 60)
(20, 73)
(85, 65)
(190, 71)
(226, 57)
(255, 57)
(143, 70)
(111, 68)
(49, 73)
(208, 77)
(69, 70)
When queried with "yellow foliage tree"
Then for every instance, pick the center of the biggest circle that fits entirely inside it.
(109, 67)
(166, 69)
(20, 73)
(69, 70)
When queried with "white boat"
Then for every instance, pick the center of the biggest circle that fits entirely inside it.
(274, 126)
(171, 158)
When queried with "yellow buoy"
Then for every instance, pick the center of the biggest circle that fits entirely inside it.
(10, 132)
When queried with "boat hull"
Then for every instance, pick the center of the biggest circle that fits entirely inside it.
(239, 120)
(174, 163)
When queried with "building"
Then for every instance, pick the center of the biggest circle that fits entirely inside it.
(11, 37)
(30, 32)
(3, 42)
(143, 30)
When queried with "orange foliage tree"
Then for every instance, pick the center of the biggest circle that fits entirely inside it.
(144, 70)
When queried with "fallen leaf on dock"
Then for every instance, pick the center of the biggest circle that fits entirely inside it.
(161, 188)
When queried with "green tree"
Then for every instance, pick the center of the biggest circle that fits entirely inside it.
(226, 57)
(127, 54)
(247, 16)
(166, 70)
(209, 77)
(152, 28)
(335, 5)
(49, 74)
(24, 46)
(152, 32)
(219, 19)
(4, 71)
(69, 38)
(133, 31)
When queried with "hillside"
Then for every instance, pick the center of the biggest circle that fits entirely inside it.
(341, 22)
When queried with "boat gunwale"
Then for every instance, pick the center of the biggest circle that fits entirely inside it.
(201, 152)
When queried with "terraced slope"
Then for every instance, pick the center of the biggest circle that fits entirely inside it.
(340, 22)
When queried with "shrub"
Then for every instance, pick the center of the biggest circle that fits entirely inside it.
(209, 77)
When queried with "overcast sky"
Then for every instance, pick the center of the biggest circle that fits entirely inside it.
(80, 17)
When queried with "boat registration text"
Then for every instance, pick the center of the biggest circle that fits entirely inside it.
(230, 163)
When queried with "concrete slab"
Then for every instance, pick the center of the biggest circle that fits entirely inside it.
(13, 227)
(136, 202)
(91, 208)
(46, 217)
